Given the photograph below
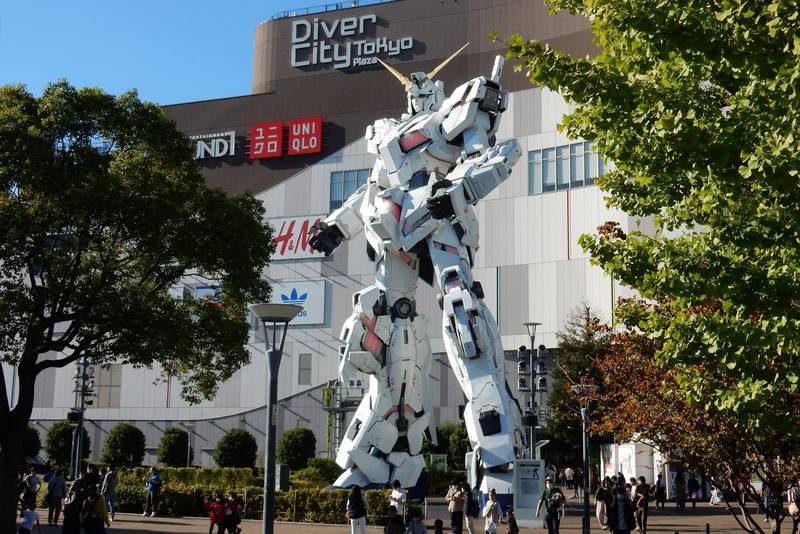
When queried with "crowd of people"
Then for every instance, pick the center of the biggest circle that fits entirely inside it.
(85, 505)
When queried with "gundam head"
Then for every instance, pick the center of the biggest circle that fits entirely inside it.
(422, 92)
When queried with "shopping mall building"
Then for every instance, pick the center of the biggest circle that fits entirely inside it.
(296, 143)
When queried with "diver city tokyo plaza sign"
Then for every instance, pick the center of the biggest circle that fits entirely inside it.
(342, 43)
(303, 136)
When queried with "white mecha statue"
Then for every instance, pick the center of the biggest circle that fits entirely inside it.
(433, 165)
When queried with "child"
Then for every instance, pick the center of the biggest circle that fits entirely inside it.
(216, 511)
(29, 517)
(437, 526)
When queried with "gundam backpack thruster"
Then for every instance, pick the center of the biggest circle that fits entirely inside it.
(433, 164)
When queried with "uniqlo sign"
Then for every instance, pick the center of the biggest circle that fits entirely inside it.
(266, 140)
(305, 136)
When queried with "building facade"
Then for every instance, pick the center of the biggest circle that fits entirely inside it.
(296, 143)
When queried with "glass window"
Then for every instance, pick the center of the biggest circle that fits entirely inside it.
(304, 370)
(363, 176)
(562, 167)
(108, 382)
(535, 172)
(345, 183)
(350, 183)
(337, 192)
(576, 165)
(548, 170)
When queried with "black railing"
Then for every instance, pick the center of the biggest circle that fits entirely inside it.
(324, 8)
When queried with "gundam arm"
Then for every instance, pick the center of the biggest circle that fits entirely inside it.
(472, 180)
(344, 223)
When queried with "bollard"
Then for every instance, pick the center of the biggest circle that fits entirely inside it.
(708, 528)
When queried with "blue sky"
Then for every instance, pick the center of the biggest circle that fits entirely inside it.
(170, 51)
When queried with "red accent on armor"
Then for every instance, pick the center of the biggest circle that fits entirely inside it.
(395, 209)
(408, 260)
(394, 409)
(412, 140)
(371, 342)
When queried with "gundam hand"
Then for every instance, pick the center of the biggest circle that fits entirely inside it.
(440, 205)
(325, 238)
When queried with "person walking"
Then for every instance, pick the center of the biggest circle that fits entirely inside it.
(693, 486)
(94, 516)
(398, 499)
(416, 526)
(553, 500)
(578, 487)
(393, 522)
(233, 513)
(109, 490)
(793, 496)
(472, 508)
(29, 518)
(455, 505)
(661, 492)
(216, 513)
(32, 485)
(153, 485)
(492, 513)
(680, 492)
(641, 501)
(56, 491)
(569, 473)
(620, 513)
(357, 510)
(600, 498)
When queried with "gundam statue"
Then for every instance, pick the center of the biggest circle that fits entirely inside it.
(433, 164)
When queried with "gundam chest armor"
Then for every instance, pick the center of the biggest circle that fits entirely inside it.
(432, 166)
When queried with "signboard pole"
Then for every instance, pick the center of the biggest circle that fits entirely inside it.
(528, 483)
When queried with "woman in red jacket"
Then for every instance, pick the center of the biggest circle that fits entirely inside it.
(216, 514)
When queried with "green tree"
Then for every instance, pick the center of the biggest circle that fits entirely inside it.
(449, 440)
(31, 443)
(102, 210)
(173, 447)
(583, 339)
(697, 105)
(237, 448)
(58, 444)
(124, 446)
(296, 447)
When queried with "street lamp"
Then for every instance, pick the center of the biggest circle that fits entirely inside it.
(583, 391)
(277, 314)
(533, 361)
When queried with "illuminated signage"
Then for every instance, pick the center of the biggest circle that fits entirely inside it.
(339, 44)
(214, 145)
(291, 237)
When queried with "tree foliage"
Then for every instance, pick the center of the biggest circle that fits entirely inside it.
(58, 444)
(102, 210)
(697, 105)
(237, 448)
(32, 443)
(296, 447)
(450, 437)
(173, 447)
(124, 446)
(583, 339)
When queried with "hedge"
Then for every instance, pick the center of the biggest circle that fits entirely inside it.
(303, 505)
(224, 478)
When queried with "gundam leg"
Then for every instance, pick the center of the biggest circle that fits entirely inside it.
(475, 352)
(385, 339)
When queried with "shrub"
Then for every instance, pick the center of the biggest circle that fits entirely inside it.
(124, 446)
(320, 472)
(58, 444)
(237, 448)
(226, 479)
(296, 447)
(173, 446)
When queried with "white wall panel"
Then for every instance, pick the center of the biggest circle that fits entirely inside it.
(554, 226)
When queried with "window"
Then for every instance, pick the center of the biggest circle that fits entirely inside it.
(563, 167)
(344, 184)
(107, 385)
(304, 370)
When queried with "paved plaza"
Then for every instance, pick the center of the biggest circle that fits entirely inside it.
(690, 521)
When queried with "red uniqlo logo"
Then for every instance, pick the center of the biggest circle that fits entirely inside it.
(266, 140)
(305, 136)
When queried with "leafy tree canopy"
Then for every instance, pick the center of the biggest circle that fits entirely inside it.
(296, 447)
(124, 446)
(173, 447)
(58, 444)
(237, 448)
(32, 443)
(697, 105)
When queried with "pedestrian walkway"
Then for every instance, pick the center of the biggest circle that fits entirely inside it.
(690, 521)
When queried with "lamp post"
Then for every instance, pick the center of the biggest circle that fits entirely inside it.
(279, 315)
(583, 390)
(533, 360)
(189, 433)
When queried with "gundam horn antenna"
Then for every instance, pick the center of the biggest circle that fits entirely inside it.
(442, 65)
(397, 74)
